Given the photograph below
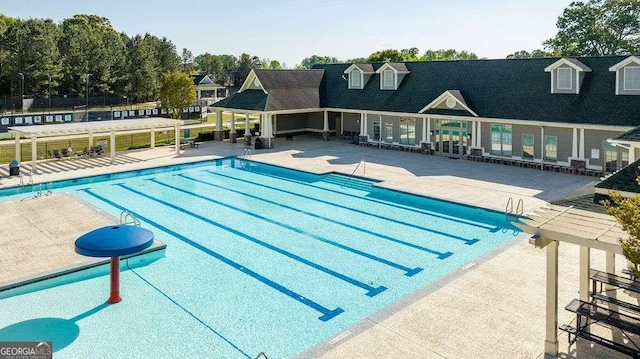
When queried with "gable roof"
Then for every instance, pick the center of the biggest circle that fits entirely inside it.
(455, 94)
(397, 67)
(633, 135)
(365, 68)
(571, 62)
(628, 60)
(283, 90)
(503, 89)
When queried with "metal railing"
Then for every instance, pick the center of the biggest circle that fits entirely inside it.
(510, 213)
(364, 169)
(246, 153)
(127, 217)
(49, 188)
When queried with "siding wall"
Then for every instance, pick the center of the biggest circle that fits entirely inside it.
(315, 120)
(518, 131)
(565, 141)
(351, 123)
(291, 121)
(594, 139)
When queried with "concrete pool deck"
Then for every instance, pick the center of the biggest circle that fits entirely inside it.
(491, 308)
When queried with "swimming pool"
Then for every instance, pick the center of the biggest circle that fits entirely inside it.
(259, 259)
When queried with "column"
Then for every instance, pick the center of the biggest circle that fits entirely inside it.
(232, 133)
(34, 155)
(90, 139)
(177, 135)
(219, 134)
(112, 146)
(341, 123)
(268, 124)
(582, 157)
(273, 126)
(574, 148)
(473, 134)
(361, 123)
(152, 141)
(247, 132)
(541, 147)
(325, 126)
(610, 264)
(366, 124)
(18, 149)
(429, 129)
(585, 268)
(424, 130)
(551, 325)
(479, 135)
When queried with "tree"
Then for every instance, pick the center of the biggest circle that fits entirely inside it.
(530, 55)
(33, 51)
(389, 55)
(597, 28)
(144, 81)
(186, 59)
(177, 92)
(271, 64)
(448, 55)
(309, 62)
(246, 63)
(627, 213)
(209, 65)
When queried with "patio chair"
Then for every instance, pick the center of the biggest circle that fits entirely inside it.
(64, 152)
(56, 154)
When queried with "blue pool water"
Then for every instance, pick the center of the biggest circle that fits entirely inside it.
(259, 259)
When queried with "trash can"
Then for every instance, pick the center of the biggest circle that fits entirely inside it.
(14, 168)
(258, 143)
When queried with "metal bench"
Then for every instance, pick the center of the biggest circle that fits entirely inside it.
(634, 353)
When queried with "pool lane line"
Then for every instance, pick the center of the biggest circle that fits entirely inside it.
(408, 271)
(327, 314)
(371, 291)
(386, 203)
(444, 234)
(188, 312)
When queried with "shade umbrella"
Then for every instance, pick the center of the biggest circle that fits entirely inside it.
(114, 241)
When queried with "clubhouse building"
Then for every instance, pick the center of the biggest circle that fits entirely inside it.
(546, 113)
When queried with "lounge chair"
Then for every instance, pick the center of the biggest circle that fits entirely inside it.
(64, 152)
(56, 154)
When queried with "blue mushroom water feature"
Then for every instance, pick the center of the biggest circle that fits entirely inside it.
(114, 241)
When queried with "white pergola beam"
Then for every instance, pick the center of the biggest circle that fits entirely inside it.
(551, 320)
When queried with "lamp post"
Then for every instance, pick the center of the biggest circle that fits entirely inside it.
(87, 101)
(49, 93)
(21, 90)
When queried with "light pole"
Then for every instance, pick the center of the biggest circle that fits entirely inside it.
(87, 104)
(21, 91)
(49, 93)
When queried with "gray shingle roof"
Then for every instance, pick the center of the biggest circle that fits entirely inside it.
(287, 90)
(632, 135)
(623, 180)
(363, 67)
(399, 66)
(508, 89)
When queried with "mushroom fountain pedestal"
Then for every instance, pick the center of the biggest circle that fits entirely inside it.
(114, 241)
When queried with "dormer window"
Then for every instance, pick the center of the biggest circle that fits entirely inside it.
(391, 75)
(358, 75)
(632, 78)
(627, 76)
(355, 79)
(565, 78)
(567, 75)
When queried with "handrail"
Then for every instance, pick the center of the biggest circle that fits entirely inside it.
(352, 173)
(508, 210)
(30, 178)
(49, 188)
(520, 208)
(39, 190)
(21, 180)
(262, 355)
(246, 153)
(127, 217)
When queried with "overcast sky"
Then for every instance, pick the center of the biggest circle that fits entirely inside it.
(290, 30)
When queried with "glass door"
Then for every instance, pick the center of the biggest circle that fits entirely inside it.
(445, 141)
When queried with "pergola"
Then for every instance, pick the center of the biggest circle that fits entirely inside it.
(92, 128)
(589, 230)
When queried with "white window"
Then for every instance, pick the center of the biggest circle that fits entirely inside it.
(565, 80)
(354, 79)
(387, 78)
(632, 78)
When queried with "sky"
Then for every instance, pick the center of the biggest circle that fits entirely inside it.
(290, 30)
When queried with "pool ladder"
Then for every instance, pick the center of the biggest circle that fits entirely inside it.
(22, 180)
(262, 355)
(246, 153)
(510, 213)
(127, 217)
(364, 169)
